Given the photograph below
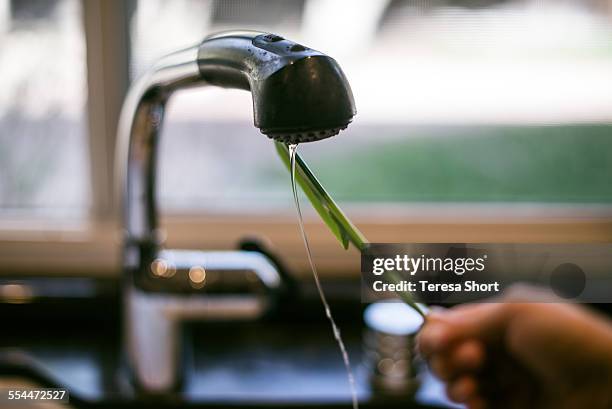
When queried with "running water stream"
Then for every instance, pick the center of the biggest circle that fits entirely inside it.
(336, 331)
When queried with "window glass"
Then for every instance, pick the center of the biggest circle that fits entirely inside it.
(43, 145)
(496, 101)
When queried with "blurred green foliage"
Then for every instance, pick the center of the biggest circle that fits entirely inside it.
(504, 163)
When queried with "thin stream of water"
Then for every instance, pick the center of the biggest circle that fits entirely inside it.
(336, 331)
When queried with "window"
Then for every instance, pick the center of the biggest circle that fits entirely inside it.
(477, 121)
(500, 101)
(43, 145)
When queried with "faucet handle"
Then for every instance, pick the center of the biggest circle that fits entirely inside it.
(211, 273)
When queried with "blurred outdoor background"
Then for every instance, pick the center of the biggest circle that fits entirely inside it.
(458, 101)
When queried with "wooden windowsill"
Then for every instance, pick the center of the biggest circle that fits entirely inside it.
(95, 249)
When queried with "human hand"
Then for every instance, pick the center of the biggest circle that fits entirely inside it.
(519, 354)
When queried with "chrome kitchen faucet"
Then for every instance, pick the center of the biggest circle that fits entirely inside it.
(299, 95)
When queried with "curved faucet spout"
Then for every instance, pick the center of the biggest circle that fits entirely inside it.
(138, 139)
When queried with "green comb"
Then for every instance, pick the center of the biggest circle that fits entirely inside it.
(340, 225)
(345, 231)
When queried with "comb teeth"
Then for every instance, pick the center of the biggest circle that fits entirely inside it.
(301, 137)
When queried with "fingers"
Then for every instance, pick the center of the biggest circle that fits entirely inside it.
(434, 337)
(440, 366)
(469, 356)
(466, 357)
(465, 390)
(462, 390)
(485, 322)
(454, 342)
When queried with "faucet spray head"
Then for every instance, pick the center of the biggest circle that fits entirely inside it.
(299, 94)
(304, 135)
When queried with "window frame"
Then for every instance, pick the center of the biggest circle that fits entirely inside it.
(94, 247)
